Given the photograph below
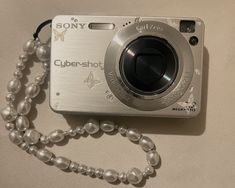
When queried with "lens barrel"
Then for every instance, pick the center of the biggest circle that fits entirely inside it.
(148, 65)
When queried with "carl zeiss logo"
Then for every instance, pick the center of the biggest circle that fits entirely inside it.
(61, 28)
(141, 26)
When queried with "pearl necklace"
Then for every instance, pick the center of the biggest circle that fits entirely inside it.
(31, 140)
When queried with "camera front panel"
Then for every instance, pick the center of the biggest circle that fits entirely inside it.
(135, 66)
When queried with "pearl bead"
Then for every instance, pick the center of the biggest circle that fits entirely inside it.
(29, 46)
(52, 159)
(16, 137)
(107, 126)
(110, 175)
(46, 66)
(24, 146)
(20, 65)
(33, 150)
(22, 123)
(146, 143)
(80, 130)
(45, 73)
(71, 132)
(122, 177)
(99, 173)
(92, 126)
(43, 53)
(8, 113)
(28, 99)
(44, 155)
(14, 85)
(90, 171)
(149, 170)
(66, 133)
(82, 169)
(44, 139)
(144, 174)
(10, 97)
(61, 163)
(56, 136)
(10, 126)
(31, 136)
(11, 104)
(133, 134)
(18, 74)
(39, 80)
(23, 107)
(122, 130)
(153, 158)
(73, 166)
(24, 57)
(32, 90)
(134, 176)
(37, 42)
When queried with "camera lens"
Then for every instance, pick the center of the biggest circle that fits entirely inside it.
(148, 65)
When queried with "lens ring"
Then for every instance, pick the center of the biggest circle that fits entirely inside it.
(116, 83)
(148, 65)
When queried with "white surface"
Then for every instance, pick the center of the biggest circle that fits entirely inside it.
(195, 153)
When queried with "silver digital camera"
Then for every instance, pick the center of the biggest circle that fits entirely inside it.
(126, 65)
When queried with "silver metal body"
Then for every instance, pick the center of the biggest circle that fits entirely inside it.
(85, 78)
